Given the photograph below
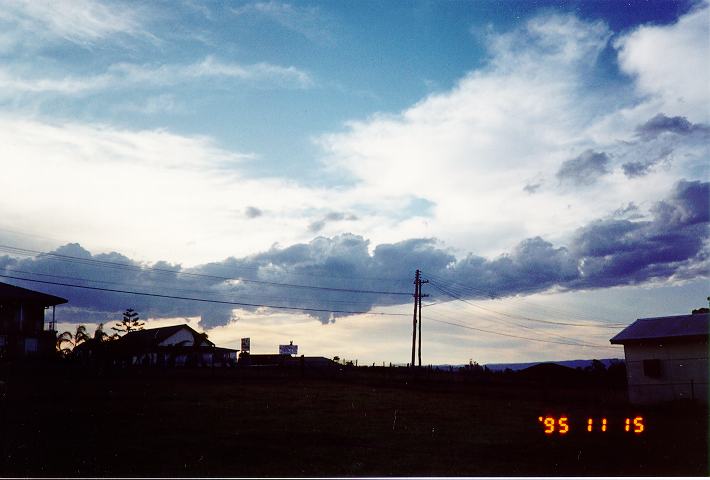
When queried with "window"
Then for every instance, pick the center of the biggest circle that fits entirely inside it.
(652, 368)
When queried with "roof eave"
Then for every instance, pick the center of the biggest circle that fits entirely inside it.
(624, 341)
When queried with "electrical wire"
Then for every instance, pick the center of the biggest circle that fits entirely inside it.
(520, 317)
(173, 288)
(194, 299)
(519, 325)
(468, 290)
(244, 267)
(518, 336)
(86, 261)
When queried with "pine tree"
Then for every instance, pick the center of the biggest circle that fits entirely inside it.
(131, 322)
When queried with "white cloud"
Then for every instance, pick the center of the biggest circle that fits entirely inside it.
(472, 150)
(308, 21)
(157, 194)
(82, 22)
(469, 151)
(125, 75)
(155, 105)
(671, 64)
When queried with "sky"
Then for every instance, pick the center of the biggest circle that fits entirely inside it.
(544, 164)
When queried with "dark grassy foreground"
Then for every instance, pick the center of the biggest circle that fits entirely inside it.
(189, 423)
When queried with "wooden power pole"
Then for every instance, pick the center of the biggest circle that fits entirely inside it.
(417, 318)
(421, 295)
(414, 318)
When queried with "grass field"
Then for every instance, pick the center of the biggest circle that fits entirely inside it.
(183, 423)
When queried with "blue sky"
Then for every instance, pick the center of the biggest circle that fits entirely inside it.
(532, 156)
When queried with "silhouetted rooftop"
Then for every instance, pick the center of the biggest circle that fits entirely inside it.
(151, 337)
(11, 293)
(657, 328)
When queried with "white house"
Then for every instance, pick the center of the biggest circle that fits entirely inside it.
(666, 358)
(172, 346)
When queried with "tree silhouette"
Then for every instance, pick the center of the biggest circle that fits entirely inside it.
(101, 336)
(131, 322)
(66, 341)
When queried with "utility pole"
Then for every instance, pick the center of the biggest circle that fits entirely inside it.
(421, 295)
(417, 321)
(414, 318)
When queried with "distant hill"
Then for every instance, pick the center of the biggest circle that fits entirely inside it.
(564, 363)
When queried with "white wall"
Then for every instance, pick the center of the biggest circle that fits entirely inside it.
(681, 362)
(182, 335)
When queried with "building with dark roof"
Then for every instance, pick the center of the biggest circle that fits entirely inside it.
(666, 358)
(171, 346)
(22, 332)
(283, 360)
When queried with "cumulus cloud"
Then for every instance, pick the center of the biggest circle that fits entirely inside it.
(615, 251)
(679, 80)
(471, 150)
(658, 141)
(318, 225)
(636, 169)
(661, 124)
(89, 182)
(630, 212)
(606, 252)
(584, 169)
(453, 162)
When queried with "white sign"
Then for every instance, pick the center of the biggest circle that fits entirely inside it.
(290, 349)
(245, 344)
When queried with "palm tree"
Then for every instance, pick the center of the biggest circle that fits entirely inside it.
(101, 336)
(66, 341)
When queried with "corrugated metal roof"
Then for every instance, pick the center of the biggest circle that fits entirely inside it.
(665, 327)
(11, 293)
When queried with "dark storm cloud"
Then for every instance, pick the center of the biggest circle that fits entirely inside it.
(318, 225)
(608, 252)
(585, 169)
(662, 124)
(253, 212)
(616, 252)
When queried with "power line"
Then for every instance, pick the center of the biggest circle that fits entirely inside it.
(487, 293)
(224, 302)
(519, 317)
(173, 288)
(527, 327)
(87, 261)
(519, 336)
(244, 267)
(470, 290)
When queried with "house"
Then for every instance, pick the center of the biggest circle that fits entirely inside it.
(22, 332)
(172, 346)
(666, 358)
